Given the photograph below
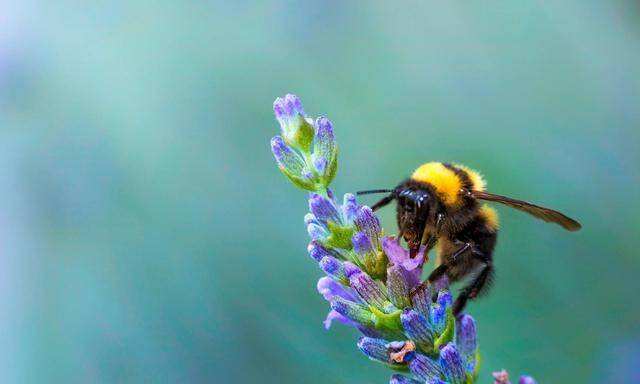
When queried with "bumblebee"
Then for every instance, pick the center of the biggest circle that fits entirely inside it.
(442, 205)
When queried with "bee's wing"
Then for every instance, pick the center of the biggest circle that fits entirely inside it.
(546, 214)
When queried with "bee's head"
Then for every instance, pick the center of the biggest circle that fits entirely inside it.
(414, 205)
(413, 209)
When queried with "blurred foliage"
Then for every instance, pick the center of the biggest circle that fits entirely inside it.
(148, 236)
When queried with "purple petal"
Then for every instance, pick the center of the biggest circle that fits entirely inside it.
(329, 289)
(333, 315)
(400, 256)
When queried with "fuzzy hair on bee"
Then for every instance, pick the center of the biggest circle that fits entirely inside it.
(442, 206)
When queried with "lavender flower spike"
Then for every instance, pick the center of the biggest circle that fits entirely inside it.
(371, 282)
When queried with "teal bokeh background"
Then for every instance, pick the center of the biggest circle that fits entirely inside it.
(147, 235)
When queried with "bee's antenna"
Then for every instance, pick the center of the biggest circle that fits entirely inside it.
(359, 193)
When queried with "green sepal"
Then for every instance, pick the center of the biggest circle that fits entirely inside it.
(476, 367)
(448, 333)
(386, 321)
(301, 137)
(298, 181)
(469, 378)
(376, 265)
(340, 236)
(398, 367)
(332, 168)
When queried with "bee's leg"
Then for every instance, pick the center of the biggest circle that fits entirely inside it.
(430, 240)
(438, 272)
(444, 267)
(435, 275)
(479, 285)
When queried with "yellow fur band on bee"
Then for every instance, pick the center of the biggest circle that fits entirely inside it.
(445, 180)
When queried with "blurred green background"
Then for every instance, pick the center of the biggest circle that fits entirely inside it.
(147, 236)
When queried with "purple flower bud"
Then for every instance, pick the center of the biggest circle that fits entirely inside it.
(288, 108)
(424, 368)
(333, 267)
(418, 329)
(350, 269)
(401, 379)
(296, 130)
(375, 349)
(361, 243)
(368, 289)
(316, 232)
(292, 165)
(466, 337)
(349, 207)
(317, 251)
(323, 209)
(445, 299)
(285, 156)
(278, 109)
(452, 365)
(325, 146)
(435, 381)
(526, 380)
(353, 311)
(367, 222)
(399, 283)
(438, 317)
(422, 299)
(293, 105)
(309, 218)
